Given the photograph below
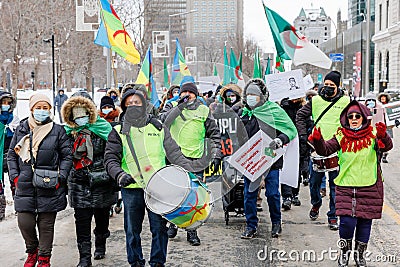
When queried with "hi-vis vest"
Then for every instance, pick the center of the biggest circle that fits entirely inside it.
(330, 122)
(357, 168)
(190, 133)
(148, 142)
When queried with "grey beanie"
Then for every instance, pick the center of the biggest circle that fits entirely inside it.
(253, 89)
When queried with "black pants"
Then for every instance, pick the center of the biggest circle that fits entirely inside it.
(27, 222)
(83, 222)
(288, 191)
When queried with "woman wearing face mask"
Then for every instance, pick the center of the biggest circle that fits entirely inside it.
(359, 184)
(39, 143)
(115, 96)
(90, 189)
(108, 111)
(8, 123)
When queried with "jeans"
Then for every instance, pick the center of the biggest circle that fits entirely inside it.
(134, 209)
(315, 191)
(323, 183)
(362, 227)
(83, 223)
(27, 222)
(273, 200)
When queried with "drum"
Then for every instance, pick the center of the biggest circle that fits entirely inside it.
(324, 164)
(179, 197)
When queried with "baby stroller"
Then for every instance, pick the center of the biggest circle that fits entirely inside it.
(232, 189)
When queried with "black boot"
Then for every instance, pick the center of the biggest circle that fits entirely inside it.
(192, 237)
(3, 204)
(346, 246)
(100, 245)
(276, 230)
(85, 254)
(360, 249)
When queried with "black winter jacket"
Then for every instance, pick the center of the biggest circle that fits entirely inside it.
(82, 192)
(54, 154)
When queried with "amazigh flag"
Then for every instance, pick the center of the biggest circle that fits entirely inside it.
(166, 76)
(112, 34)
(291, 44)
(279, 64)
(179, 69)
(146, 77)
(227, 73)
(257, 72)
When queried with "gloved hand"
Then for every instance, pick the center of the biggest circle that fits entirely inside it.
(397, 123)
(215, 165)
(275, 144)
(380, 130)
(285, 102)
(125, 179)
(183, 99)
(316, 134)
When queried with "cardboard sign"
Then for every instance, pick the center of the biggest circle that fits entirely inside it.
(255, 157)
(285, 84)
(392, 113)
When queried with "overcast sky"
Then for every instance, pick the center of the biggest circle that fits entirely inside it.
(256, 24)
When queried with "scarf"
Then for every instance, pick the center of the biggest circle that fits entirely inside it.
(39, 132)
(110, 117)
(101, 128)
(82, 150)
(354, 141)
(273, 115)
(6, 118)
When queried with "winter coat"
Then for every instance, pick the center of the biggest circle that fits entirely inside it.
(59, 100)
(117, 100)
(82, 192)
(54, 153)
(364, 202)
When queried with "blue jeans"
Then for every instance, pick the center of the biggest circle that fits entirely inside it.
(134, 209)
(315, 191)
(273, 199)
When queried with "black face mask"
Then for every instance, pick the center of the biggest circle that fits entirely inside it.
(329, 91)
(135, 116)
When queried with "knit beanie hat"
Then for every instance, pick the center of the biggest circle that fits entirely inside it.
(189, 87)
(106, 101)
(38, 98)
(253, 89)
(334, 76)
(78, 112)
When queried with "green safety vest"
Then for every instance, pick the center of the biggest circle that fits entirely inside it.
(148, 142)
(190, 133)
(330, 122)
(357, 168)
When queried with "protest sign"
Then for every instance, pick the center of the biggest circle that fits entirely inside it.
(255, 157)
(308, 82)
(392, 113)
(288, 84)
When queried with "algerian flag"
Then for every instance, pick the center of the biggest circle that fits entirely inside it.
(268, 68)
(257, 72)
(291, 44)
(279, 64)
(235, 72)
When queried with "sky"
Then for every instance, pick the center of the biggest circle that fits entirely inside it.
(256, 24)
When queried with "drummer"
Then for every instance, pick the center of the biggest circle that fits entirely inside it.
(132, 169)
(325, 111)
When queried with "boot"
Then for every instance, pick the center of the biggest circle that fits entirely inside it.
(276, 230)
(360, 249)
(346, 246)
(44, 261)
(85, 254)
(192, 238)
(100, 244)
(32, 259)
(384, 157)
(3, 204)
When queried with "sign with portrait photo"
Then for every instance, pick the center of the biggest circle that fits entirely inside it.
(288, 84)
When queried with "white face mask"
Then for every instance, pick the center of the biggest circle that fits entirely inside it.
(106, 110)
(252, 100)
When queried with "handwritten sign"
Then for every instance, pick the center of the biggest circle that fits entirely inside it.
(392, 113)
(255, 157)
(285, 84)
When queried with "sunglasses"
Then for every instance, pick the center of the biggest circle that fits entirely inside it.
(354, 116)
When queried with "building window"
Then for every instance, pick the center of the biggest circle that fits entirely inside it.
(387, 13)
(301, 28)
(380, 17)
(326, 28)
(326, 34)
(380, 66)
(387, 66)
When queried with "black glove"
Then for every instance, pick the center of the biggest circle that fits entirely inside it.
(183, 99)
(275, 144)
(125, 179)
(285, 102)
(215, 165)
(397, 123)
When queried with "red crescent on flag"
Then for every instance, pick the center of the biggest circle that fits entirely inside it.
(122, 32)
(237, 73)
(286, 37)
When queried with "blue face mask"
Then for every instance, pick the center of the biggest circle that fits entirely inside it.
(5, 107)
(113, 97)
(82, 120)
(106, 111)
(41, 115)
(252, 100)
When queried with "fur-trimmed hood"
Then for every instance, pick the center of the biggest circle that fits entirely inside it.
(235, 88)
(4, 94)
(78, 101)
(388, 98)
(115, 90)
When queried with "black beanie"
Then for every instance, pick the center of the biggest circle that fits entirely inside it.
(334, 76)
(190, 87)
(107, 101)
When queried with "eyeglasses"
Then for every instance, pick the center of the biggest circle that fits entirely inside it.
(353, 116)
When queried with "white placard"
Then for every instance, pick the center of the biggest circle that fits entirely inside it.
(87, 15)
(392, 113)
(255, 157)
(308, 82)
(190, 55)
(285, 84)
(160, 44)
